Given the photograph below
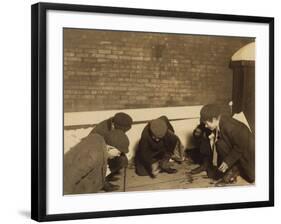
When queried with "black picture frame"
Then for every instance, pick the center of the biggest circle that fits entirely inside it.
(39, 110)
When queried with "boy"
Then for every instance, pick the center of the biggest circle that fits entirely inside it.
(234, 147)
(85, 165)
(156, 147)
(120, 121)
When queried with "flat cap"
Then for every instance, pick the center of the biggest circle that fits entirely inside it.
(122, 121)
(158, 128)
(118, 139)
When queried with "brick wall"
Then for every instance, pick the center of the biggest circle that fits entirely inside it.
(115, 70)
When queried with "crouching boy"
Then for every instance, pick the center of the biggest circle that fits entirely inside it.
(234, 148)
(85, 165)
(156, 147)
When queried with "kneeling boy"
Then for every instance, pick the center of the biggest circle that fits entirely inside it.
(234, 150)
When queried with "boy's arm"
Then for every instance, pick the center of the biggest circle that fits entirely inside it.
(146, 156)
(232, 157)
(239, 139)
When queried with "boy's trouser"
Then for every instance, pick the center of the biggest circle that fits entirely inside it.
(247, 170)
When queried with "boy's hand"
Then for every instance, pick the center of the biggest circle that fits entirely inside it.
(197, 132)
(223, 167)
(112, 152)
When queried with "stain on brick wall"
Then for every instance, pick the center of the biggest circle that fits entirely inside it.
(106, 70)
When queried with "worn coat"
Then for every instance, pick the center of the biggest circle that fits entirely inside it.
(150, 151)
(103, 127)
(85, 166)
(236, 145)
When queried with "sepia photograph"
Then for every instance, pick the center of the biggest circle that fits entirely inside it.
(141, 111)
(153, 111)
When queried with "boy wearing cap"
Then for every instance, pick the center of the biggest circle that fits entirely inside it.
(120, 121)
(155, 148)
(85, 165)
(234, 147)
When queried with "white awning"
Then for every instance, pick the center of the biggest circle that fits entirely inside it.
(246, 53)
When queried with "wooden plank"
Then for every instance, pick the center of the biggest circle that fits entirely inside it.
(180, 180)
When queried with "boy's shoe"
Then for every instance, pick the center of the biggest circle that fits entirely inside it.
(214, 173)
(168, 170)
(110, 187)
(198, 169)
(201, 168)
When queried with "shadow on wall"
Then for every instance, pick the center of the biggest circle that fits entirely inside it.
(188, 120)
(183, 129)
(183, 119)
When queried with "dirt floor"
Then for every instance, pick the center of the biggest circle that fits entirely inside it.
(180, 180)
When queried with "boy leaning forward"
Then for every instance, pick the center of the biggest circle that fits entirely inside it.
(233, 151)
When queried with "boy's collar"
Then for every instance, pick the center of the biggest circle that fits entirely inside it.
(219, 122)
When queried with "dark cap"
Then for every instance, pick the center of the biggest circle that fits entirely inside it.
(122, 121)
(118, 139)
(158, 128)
